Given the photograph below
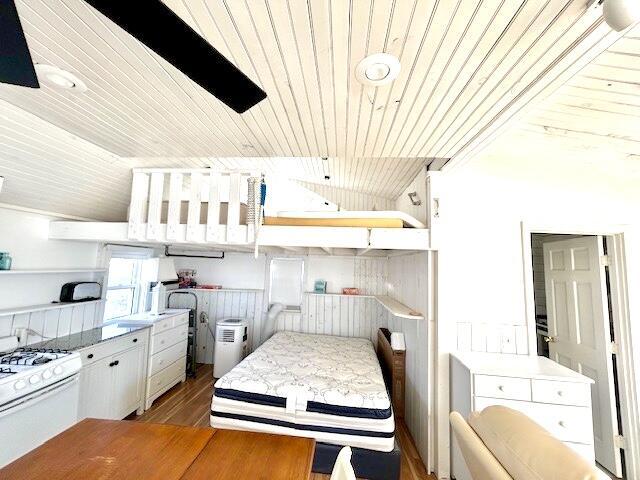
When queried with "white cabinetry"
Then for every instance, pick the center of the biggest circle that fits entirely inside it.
(167, 363)
(112, 378)
(553, 396)
(167, 354)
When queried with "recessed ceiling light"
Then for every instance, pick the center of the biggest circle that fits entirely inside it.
(59, 79)
(378, 69)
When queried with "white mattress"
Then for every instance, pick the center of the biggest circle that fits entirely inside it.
(325, 387)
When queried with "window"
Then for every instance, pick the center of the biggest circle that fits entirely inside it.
(123, 288)
(287, 275)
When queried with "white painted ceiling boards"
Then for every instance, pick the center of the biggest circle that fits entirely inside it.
(464, 63)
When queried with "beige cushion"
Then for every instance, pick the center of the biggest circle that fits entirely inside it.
(481, 463)
(525, 449)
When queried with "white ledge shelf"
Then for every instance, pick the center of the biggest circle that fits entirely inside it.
(44, 307)
(396, 308)
(392, 305)
(34, 271)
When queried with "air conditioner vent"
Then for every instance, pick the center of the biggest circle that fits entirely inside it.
(228, 335)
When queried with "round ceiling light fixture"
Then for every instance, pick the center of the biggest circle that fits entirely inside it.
(378, 69)
(59, 79)
(621, 14)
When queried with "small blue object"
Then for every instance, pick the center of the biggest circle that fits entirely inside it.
(263, 193)
(320, 286)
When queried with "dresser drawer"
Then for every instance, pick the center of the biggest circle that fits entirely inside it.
(166, 339)
(562, 393)
(110, 347)
(566, 423)
(584, 449)
(170, 322)
(166, 357)
(167, 377)
(502, 387)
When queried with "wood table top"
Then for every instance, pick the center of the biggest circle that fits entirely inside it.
(111, 450)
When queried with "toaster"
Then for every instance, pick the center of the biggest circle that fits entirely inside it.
(80, 291)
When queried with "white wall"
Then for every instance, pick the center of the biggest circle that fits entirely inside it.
(235, 270)
(24, 236)
(481, 301)
(404, 204)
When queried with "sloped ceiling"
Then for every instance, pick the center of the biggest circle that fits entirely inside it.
(591, 123)
(463, 61)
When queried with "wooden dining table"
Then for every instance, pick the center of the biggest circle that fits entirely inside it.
(109, 450)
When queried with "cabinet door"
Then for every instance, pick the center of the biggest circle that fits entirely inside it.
(128, 385)
(96, 382)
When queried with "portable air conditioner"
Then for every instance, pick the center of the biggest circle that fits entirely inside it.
(230, 346)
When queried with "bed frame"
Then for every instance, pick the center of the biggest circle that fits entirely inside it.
(371, 464)
(393, 370)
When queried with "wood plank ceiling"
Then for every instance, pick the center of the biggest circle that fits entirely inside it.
(594, 117)
(463, 62)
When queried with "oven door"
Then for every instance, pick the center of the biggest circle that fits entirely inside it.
(29, 421)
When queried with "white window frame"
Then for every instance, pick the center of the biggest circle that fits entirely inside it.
(128, 252)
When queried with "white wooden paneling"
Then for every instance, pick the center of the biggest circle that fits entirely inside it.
(219, 304)
(409, 284)
(462, 62)
(45, 324)
(492, 337)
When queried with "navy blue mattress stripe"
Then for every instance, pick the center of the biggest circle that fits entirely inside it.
(316, 407)
(311, 428)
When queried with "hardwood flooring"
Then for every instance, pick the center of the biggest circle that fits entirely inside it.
(190, 403)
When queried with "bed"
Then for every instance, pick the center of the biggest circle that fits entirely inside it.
(320, 386)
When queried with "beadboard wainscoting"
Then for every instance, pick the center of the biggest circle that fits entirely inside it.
(492, 338)
(218, 304)
(54, 320)
(333, 314)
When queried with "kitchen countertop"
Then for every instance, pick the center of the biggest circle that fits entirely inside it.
(80, 340)
(147, 317)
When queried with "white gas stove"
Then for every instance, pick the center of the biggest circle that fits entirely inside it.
(38, 398)
(26, 370)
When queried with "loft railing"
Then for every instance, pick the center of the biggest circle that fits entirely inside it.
(192, 205)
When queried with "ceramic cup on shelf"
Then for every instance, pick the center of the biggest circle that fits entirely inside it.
(5, 261)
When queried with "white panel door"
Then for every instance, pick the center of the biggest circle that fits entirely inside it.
(580, 337)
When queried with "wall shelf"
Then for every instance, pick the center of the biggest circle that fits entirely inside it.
(393, 306)
(396, 308)
(34, 271)
(44, 307)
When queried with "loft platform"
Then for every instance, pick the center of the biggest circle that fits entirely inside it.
(219, 210)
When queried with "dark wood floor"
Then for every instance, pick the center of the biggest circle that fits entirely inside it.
(190, 402)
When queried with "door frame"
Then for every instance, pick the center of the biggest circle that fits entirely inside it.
(627, 368)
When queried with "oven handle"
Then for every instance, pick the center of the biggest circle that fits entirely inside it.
(35, 397)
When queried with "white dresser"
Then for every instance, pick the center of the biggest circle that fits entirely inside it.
(167, 350)
(554, 396)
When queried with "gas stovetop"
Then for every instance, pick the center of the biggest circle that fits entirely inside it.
(32, 356)
(26, 370)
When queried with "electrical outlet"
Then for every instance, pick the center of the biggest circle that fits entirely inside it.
(21, 333)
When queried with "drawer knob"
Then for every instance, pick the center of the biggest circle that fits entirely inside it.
(90, 355)
(559, 393)
(135, 340)
(501, 388)
(561, 423)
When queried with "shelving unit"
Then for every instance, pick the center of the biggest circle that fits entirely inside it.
(52, 270)
(44, 307)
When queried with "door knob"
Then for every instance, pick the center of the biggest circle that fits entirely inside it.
(551, 339)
